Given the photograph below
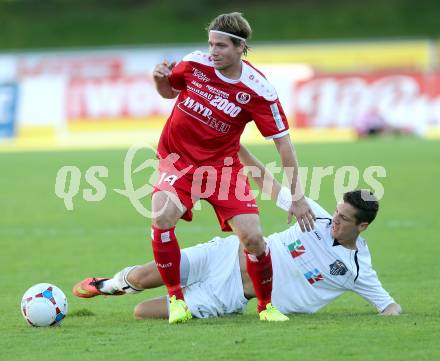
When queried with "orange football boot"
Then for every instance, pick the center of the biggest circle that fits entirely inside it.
(89, 288)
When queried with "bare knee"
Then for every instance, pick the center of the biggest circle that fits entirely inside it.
(138, 312)
(138, 277)
(145, 277)
(253, 242)
(155, 308)
(247, 228)
(163, 222)
(166, 212)
(166, 218)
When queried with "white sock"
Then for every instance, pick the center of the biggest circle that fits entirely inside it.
(119, 282)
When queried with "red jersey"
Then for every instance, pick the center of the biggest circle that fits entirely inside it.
(212, 111)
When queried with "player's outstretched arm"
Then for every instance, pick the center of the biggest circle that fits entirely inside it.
(392, 309)
(300, 207)
(161, 73)
(260, 174)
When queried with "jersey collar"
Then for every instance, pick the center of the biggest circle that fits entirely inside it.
(228, 80)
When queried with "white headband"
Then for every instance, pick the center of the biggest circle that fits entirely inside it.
(228, 34)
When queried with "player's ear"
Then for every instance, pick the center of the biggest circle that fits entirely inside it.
(241, 46)
(362, 226)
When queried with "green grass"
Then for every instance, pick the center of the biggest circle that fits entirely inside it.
(43, 242)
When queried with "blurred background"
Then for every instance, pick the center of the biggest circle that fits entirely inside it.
(77, 74)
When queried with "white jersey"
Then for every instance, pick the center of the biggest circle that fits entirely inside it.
(311, 269)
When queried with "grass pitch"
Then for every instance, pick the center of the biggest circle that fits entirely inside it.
(41, 241)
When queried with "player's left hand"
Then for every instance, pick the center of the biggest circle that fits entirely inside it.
(163, 70)
(303, 214)
(392, 309)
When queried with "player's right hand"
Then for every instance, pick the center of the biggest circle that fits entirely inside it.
(163, 70)
(303, 213)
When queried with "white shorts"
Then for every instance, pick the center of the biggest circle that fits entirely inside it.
(214, 286)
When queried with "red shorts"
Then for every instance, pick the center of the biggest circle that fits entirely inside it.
(226, 189)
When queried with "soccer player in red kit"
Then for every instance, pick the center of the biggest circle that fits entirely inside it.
(217, 94)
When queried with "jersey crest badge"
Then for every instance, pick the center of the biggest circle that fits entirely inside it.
(243, 98)
(338, 268)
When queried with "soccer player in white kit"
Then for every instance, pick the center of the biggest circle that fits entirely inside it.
(310, 270)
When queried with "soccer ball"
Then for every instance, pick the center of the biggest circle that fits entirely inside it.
(44, 305)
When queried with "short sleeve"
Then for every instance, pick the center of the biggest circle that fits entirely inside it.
(270, 118)
(369, 287)
(177, 76)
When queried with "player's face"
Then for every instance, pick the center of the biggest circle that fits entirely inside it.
(344, 224)
(223, 51)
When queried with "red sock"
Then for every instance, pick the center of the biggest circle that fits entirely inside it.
(260, 272)
(167, 256)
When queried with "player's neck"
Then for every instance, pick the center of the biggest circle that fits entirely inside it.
(233, 71)
(350, 244)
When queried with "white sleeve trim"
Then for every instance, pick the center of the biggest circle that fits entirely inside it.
(284, 199)
(199, 57)
(258, 83)
(279, 135)
(383, 308)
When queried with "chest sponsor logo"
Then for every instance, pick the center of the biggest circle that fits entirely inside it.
(338, 268)
(296, 248)
(200, 92)
(313, 276)
(200, 75)
(197, 84)
(203, 114)
(243, 98)
(226, 106)
(216, 91)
